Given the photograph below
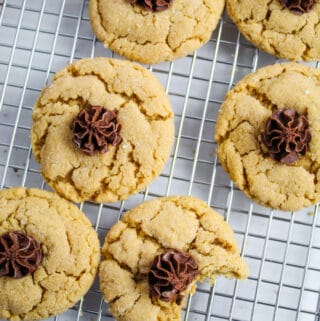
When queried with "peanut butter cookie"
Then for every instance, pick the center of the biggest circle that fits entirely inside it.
(284, 28)
(158, 251)
(103, 130)
(154, 31)
(268, 135)
(49, 254)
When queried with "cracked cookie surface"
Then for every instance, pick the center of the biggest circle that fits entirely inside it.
(241, 122)
(275, 29)
(70, 249)
(147, 130)
(183, 223)
(154, 37)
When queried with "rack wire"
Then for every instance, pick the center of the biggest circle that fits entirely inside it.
(37, 38)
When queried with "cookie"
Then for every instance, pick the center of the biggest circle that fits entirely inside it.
(155, 255)
(268, 136)
(284, 28)
(102, 130)
(49, 254)
(154, 31)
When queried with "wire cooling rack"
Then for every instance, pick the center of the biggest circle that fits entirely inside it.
(38, 38)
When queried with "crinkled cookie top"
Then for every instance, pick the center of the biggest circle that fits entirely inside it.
(70, 254)
(187, 226)
(287, 32)
(153, 37)
(144, 121)
(243, 150)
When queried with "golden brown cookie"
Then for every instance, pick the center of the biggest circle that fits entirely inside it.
(131, 149)
(49, 254)
(271, 154)
(153, 37)
(279, 27)
(164, 247)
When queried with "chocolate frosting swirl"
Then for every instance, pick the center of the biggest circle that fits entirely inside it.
(286, 135)
(170, 274)
(299, 6)
(20, 255)
(152, 5)
(94, 128)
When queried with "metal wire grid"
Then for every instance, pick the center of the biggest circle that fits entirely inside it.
(37, 38)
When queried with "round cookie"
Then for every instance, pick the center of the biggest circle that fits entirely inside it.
(154, 37)
(242, 121)
(177, 223)
(278, 30)
(70, 254)
(146, 130)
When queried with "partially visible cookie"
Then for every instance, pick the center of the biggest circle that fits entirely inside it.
(158, 251)
(174, 29)
(49, 254)
(268, 135)
(102, 130)
(284, 28)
